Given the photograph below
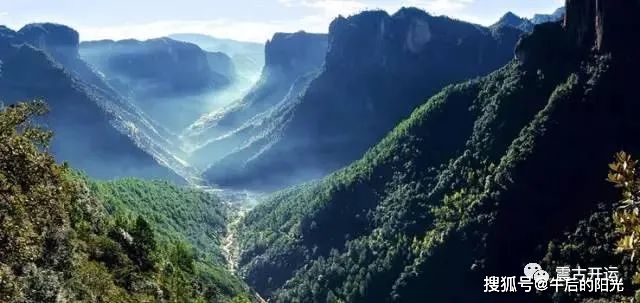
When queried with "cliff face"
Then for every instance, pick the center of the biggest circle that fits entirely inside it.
(295, 53)
(609, 26)
(289, 57)
(378, 68)
(486, 176)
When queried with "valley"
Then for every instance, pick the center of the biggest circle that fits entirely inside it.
(367, 163)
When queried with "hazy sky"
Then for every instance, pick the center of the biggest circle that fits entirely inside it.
(250, 20)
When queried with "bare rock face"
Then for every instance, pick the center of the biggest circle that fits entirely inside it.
(617, 24)
(378, 68)
(590, 25)
(295, 52)
(579, 21)
(609, 26)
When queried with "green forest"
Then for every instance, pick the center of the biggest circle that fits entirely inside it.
(72, 239)
(517, 177)
(403, 157)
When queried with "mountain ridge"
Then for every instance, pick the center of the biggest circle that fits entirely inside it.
(288, 58)
(454, 192)
(372, 58)
(96, 105)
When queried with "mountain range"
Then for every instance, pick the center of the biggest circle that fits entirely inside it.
(96, 130)
(483, 178)
(526, 25)
(378, 67)
(162, 76)
(289, 59)
(421, 156)
(247, 57)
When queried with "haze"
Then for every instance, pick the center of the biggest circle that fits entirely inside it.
(246, 20)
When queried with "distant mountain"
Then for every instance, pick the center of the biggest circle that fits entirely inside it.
(526, 25)
(248, 57)
(155, 67)
(513, 20)
(377, 70)
(289, 58)
(222, 64)
(95, 129)
(172, 81)
(556, 16)
(483, 178)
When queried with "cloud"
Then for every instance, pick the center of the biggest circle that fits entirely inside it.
(320, 14)
(222, 28)
(312, 16)
(346, 7)
(329, 7)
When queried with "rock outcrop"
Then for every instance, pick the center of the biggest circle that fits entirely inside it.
(289, 57)
(378, 67)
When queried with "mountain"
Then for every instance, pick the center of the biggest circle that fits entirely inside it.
(556, 16)
(485, 177)
(526, 25)
(154, 67)
(94, 128)
(247, 57)
(378, 68)
(69, 239)
(222, 64)
(289, 57)
(513, 20)
(171, 81)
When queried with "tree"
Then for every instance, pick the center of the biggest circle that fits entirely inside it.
(626, 217)
(144, 244)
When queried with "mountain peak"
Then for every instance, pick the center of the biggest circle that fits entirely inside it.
(51, 37)
(410, 12)
(512, 20)
(510, 16)
(295, 50)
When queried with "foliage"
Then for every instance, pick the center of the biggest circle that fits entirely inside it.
(177, 213)
(627, 215)
(59, 243)
(485, 173)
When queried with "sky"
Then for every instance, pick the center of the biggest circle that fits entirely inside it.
(245, 20)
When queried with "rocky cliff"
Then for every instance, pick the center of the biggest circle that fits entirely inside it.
(288, 58)
(377, 69)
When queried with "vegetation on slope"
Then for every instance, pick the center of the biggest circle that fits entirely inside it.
(59, 243)
(378, 68)
(477, 182)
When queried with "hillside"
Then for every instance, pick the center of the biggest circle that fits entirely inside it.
(378, 68)
(289, 58)
(154, 67)
(483, 178)
(60, 244)
(172, 81)
(97, 131)
(247, 57)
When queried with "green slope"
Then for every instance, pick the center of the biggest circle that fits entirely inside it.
(475, 183)
(60, 244)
